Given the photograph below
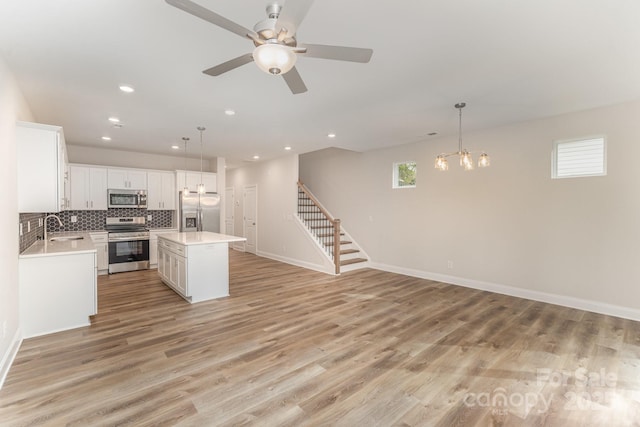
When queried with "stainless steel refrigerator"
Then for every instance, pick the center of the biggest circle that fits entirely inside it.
(200, 212)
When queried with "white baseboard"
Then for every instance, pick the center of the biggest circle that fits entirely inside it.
(9, 357)
(296, 262)
(563, 300)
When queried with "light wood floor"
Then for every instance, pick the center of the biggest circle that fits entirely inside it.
(296, 347)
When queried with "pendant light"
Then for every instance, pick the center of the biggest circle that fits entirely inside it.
(185, 190)
(466, 161)
(201, 188)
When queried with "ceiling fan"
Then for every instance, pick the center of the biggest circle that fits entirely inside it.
(276, 47)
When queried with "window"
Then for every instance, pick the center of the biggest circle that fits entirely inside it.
(579, 157)
(404, 175)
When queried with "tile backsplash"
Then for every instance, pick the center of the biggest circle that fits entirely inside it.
(30, 229)
(86, 221)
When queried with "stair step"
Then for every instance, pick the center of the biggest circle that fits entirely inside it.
(316, 220)
(327, 234)
(318, 227)
(348, 251)
(352, 261)
(342, 242)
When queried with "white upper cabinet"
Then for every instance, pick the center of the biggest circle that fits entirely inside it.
(161, 191)
(88, 188)
(127, 179)
(209, 179)
(41, 155)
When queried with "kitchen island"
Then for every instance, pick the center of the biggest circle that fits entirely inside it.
(196, 264)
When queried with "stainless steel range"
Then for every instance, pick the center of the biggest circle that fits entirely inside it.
(128, 244)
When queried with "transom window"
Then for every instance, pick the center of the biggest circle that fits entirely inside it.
(579, 157)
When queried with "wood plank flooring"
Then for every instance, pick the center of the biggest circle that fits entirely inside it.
(293, 347)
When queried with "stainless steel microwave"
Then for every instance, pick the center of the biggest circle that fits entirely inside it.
(127, 198)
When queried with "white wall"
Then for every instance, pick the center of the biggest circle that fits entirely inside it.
(12, 107)
(280, 236)
(132, 159)
(509, 228)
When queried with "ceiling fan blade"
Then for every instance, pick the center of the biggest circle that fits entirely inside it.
(209, 16)
(229, 65)
(292, 14)
(340, 53)
(294, 81)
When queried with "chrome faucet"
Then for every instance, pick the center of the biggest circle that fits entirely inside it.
(45, 224)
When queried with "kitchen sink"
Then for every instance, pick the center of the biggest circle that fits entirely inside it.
(65, 238)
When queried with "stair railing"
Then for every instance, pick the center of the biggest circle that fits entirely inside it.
(320, 219)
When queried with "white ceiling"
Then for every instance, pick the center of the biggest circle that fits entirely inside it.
(509, 60)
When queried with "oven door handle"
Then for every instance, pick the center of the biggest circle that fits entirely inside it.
(126, 239)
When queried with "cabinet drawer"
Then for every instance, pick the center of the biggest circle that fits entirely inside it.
(173, 247)
(99, 238)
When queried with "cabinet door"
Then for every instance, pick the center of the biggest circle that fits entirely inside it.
(169, 194)
(102, 256)
(98, 189)
(154, 191)
(137, 179)
(160, 259)
(208, 179)
(181, 275)
(117, 179)
(153, 251)
(79, 188)
(40, 172)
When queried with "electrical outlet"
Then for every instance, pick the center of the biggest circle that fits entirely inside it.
(20, 228)
(39, 222)
(28, 226)
(74, 218)
(449, 264)
(149, 217)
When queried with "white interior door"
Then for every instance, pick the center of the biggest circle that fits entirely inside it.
(229, 205)
(250, 216)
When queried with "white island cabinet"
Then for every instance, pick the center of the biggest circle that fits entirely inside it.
(196, 264)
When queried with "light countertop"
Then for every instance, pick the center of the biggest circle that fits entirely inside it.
(61, 247)
(200, 238)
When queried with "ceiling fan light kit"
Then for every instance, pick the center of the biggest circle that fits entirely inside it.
(276, 48)
(466, 160)
(274, 58)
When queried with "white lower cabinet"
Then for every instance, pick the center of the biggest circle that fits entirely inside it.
(172, 266)
(57, 292)
(197, 272)
(153, 245)
(101, 242)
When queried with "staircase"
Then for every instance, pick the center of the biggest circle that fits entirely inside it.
(344, 253)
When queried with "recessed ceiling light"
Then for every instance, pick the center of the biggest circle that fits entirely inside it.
(114, 120)
(256, 157)
(229, 112)
(331, 135)
(106, 138)
(287, 148)
(175, 147)
(126, 88)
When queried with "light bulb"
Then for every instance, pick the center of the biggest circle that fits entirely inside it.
(201, 189)
(441, 163)
(484, 161)
(466, 161)
(185, 190)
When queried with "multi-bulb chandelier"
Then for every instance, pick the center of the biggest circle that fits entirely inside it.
(466, 160)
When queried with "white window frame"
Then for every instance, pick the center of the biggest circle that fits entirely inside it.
(554, 157)
(396, 175)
